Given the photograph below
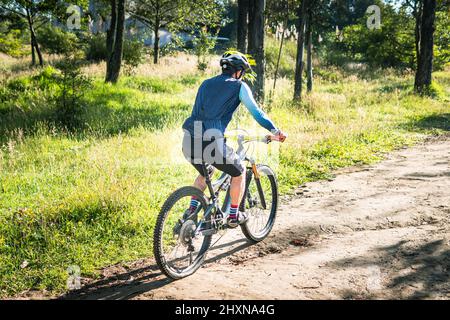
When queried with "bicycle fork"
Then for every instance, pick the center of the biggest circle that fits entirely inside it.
(253, 169)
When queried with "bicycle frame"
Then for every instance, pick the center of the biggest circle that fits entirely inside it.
(214, 188)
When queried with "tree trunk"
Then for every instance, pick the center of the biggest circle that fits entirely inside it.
(116, 56)
(256, 45)
(308, 37)
(418, 15)
(38, 50)
(242, 27)
(425, 58)
(281, 46)
(300, 47)
(110, 37)
(156, 44)
(33, 41)
(278, 59)
(33, 54)
(251, 17)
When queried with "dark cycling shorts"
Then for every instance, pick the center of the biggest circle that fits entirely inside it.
(221, 156)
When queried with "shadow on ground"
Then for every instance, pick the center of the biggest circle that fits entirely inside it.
(127, 285)
(432, 122)
(419, 271)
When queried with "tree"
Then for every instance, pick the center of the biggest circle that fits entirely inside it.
(242, 25)
(308, 37)
(388, 46)
(32, 12)
(285, 25)
(256, 33)
(115, 58)
(425, 53)
(37, 13)
(175, 15)
(110, 37)
(300, 48)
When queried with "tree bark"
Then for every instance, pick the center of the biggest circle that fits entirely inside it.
(33, 54)
(256, 45)
(308, 36)
(156, 44)
(110, 36)
(38, 50)
(281, 46)
(278, 59)
(34, 44)
(251, 17)
(115, 60)
(300, 47)
(425, 57)
(418, 15)
(242, 27)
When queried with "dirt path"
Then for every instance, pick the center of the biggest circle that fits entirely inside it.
(379, 231)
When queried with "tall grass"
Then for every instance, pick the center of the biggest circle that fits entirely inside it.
(90, 196)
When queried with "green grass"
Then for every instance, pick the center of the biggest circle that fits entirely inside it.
(90, 196)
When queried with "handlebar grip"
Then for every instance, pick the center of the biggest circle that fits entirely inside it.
(272, 137)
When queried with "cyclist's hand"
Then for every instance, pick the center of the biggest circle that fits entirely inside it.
(280, 136)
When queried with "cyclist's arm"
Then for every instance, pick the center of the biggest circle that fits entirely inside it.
(246, 97)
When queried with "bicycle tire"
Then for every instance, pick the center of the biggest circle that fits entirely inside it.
(159, 228)
(273, 210)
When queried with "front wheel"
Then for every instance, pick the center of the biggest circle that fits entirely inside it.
(179, 245)
(261, 204)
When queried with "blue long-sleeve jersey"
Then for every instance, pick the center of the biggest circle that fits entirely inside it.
(218, 98)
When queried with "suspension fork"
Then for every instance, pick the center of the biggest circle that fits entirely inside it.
(248, 179)
(253, 171)
(258, 186)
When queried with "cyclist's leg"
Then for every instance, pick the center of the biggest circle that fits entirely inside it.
(232, 165)
(200, 181)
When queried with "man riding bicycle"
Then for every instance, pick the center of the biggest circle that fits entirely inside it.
(217, 100)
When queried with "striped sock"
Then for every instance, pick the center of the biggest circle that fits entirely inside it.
(194, 204)
(233, 211)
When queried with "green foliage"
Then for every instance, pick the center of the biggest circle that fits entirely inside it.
(133, 51)
(73, 84)
(96, 48)
(203, 44)
(389, 46)
(175, 46)
(55, 40)
(442, 41)
(133, 55)
(12, 41)
(288, 57)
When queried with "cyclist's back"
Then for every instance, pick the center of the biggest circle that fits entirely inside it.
(216, 101)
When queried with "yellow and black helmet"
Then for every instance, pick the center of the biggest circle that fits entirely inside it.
(237, 60)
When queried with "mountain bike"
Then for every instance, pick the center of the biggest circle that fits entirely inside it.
(182, 239)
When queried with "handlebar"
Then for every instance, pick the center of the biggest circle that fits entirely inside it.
(265, 139)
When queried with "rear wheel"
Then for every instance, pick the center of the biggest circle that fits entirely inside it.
(179, 246)
(261, 204)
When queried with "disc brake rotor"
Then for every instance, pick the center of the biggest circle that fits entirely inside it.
(187, 232)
